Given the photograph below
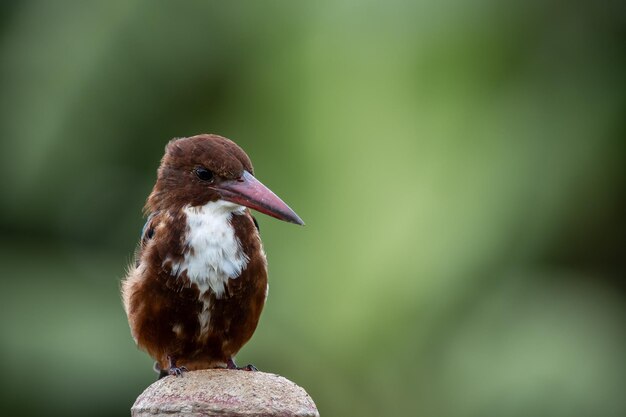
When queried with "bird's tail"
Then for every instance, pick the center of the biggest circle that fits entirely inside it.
(157, 368)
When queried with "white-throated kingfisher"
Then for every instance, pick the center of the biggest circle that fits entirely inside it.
(195, 293)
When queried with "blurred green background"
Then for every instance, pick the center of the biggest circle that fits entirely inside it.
(459, 165)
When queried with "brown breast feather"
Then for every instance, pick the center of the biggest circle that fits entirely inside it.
(164, 311)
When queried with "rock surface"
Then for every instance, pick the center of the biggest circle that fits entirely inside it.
(222, 392)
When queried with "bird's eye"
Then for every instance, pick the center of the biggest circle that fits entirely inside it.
(204, 174)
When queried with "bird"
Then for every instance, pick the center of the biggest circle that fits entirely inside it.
(194, 295)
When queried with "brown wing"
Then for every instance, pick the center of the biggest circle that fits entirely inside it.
(147, 233)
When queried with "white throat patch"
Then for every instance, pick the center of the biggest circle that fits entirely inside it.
(213, 253)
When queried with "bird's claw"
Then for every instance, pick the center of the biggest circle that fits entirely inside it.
(230, 364)
(177, 371)
(173, 369)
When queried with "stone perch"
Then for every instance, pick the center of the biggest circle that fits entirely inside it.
(222, 392)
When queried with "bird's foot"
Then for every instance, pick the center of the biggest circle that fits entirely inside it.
(177, 371)
(173, 369)
(230, 364)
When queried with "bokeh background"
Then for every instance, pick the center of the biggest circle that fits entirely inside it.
(459, 165)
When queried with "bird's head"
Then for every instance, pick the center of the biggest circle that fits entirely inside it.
(204, 168)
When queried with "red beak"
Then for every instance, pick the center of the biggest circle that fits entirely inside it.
(249, 192)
